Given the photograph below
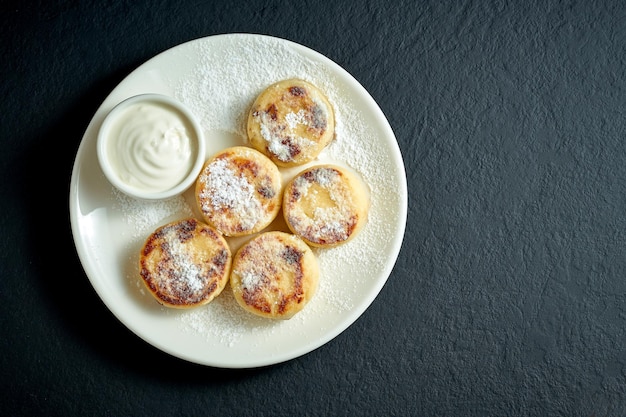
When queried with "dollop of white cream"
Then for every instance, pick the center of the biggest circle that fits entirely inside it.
(152, 147)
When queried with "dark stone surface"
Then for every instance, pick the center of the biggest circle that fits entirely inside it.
(509, 295)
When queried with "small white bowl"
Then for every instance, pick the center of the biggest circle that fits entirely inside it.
(123, 163)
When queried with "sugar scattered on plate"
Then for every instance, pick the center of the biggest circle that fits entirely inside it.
(219, 91)
(143, 216)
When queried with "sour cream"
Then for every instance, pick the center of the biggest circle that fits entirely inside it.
(152, 146)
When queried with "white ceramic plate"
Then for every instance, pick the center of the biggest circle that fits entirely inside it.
(218, 77)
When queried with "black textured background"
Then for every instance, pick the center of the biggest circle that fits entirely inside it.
(509, 295)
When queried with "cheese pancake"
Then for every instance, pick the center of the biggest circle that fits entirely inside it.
(325, 205)
(291, 122)
(239, 191)
(185, 263)
(274, 275)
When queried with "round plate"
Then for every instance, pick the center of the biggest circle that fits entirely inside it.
(219, 77)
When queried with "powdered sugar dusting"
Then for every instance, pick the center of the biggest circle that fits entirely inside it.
(188, 275)
(280, 140)
(219, 91)
(295, 119)
(251, 279)
(224, 189)
(327, 224)
(223, 86)
(143, 216)
(223, 320)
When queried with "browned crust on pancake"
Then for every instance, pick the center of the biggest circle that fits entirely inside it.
(185, 263)
(340, 223)
(291, 121)
(274, 275)
(239, 191)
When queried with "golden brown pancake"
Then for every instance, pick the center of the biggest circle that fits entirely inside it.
(274, 275)
(291, 122)
(325, 205)
(239, 191)
(185, 263)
